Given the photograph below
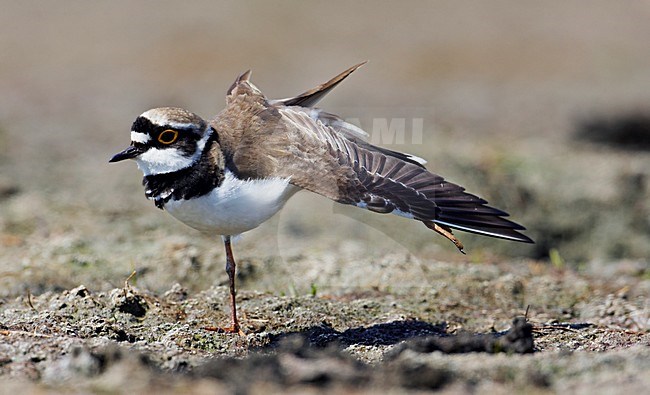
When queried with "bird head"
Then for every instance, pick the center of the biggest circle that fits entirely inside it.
(165, 140)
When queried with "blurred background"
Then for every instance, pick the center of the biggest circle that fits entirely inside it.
(542, 108)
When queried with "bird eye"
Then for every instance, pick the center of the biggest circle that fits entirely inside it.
(168, 136)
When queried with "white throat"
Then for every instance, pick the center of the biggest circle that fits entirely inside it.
(160, 161)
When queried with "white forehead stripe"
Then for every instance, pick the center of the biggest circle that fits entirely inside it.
(159, 118)
(141, 138)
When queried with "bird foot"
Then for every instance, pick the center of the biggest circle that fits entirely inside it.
(228, 329)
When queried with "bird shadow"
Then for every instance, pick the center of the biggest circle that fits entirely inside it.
(414, 335)
(384, 334)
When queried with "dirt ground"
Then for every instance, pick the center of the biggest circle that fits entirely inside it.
(540, 108)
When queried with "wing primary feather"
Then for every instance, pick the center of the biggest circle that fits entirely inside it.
(313, 96)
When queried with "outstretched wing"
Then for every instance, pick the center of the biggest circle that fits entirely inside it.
(322, 153)
(318, 158)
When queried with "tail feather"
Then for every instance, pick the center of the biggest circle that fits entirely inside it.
(501, 233)
(469, 219)
(463, 211)
(475, 209)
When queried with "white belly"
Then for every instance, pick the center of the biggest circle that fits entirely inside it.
(235, 207)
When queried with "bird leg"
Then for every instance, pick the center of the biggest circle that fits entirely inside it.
(230, 269)
(445, 231)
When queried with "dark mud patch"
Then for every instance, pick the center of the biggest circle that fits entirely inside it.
(518, 339)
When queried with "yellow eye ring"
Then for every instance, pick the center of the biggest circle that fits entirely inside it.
(168, 136)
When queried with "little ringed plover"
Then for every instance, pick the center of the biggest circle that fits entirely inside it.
(230, 174)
